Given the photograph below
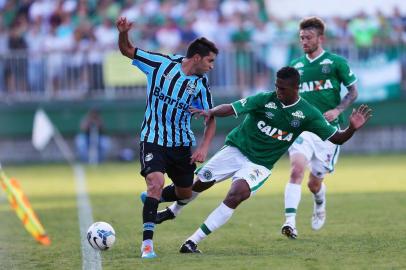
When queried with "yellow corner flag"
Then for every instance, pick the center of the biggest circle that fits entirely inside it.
(20, 204)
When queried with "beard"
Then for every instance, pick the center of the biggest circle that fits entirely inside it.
(310, 50)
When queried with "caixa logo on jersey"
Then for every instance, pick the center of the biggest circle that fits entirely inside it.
(169, 100)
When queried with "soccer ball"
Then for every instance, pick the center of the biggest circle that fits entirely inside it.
(101, 235)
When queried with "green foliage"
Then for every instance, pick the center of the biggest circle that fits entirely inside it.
(364, 229)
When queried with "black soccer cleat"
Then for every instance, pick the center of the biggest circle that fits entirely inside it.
(164, 215)
(289, 231)
(189, 247)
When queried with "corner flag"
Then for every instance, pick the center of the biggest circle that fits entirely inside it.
(42, 131)
(20, 204)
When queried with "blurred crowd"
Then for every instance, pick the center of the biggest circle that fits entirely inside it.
(167, 25)
(57, 27)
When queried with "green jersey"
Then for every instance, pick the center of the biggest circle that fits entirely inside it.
(321, 78)
(270, 127)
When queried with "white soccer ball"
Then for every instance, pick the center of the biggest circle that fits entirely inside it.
(101, 235)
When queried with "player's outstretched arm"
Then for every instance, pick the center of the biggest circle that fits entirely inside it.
(222, 110)
(200, 154)
(358, 118)
(126, 48)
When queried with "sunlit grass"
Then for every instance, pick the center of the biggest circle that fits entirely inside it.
(366, 212)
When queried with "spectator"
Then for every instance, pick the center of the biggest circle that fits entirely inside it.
(3, 51)
(169, 36)
(91, 143)
(364, 30)
(36, 70)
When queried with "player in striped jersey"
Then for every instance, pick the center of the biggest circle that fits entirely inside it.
(175, 84)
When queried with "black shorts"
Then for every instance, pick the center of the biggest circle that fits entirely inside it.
(175, 161)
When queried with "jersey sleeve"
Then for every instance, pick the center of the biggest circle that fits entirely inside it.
(147, 61)
(321, 127)
(204, 98)
(345, 73)
(248, 104)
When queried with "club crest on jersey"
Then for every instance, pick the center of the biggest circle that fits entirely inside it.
(149, 157)
(298, 65)
(298, 114)
(295, 123)
(325, 69)
(325, 66)
(271, 105)
(207, 174)
(191, 88)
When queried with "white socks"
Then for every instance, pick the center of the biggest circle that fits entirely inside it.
(215, 220)
(293, 193)
(176, 207)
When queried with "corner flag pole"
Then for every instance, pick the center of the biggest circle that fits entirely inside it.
(21, 205)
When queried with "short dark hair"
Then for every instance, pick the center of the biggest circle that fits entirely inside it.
(289, 73)
(313, 22)
(201, 46)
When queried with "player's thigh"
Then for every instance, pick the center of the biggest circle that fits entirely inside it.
(152, 158)
(303, 145)
(179, 168)
(325, 158)
(254, 174)
(222, 165)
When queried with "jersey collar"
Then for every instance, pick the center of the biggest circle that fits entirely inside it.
(314, 59)
(291, 105)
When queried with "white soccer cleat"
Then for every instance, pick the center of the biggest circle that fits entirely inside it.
(319, 215)
(289, 231)
(147, 252)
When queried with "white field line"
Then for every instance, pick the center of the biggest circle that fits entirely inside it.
(91, 259)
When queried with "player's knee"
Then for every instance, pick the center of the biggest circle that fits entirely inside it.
(314, 186)
(234, 198)
(184, 194)
(154, 185)
(296, 174)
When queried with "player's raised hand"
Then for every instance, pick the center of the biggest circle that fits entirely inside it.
(123, 25)
(360, 116)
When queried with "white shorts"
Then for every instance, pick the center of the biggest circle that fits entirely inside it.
(321, 155)
(230, 162)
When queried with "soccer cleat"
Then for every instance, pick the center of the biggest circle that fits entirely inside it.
(189, 247)
(147, 252)
(164, 215)
(143, 196)
(319, 215)
(289, 231)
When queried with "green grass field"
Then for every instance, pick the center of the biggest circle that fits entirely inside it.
(365, 229)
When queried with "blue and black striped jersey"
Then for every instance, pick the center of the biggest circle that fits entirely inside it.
(170, 94)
